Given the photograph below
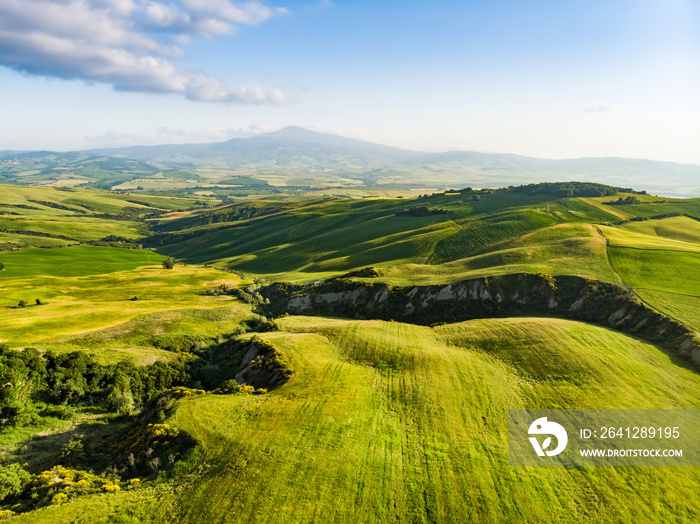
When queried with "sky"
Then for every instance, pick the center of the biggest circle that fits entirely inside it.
(551, 79)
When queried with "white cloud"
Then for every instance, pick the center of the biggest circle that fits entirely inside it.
(601, 108)
(130, 44)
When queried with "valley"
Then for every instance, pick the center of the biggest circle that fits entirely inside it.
(379, 419)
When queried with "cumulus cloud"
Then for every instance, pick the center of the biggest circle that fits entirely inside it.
(130, 44)
(600, 108)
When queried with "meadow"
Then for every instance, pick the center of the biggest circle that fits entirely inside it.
(114, 303)
(380, 421)
(384, 421)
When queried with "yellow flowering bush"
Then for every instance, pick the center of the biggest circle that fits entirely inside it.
(59, 498)
(59, 484)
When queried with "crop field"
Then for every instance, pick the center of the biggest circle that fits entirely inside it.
(642, 268)
(568, 249)
(408, 423)
(338, 235)
(660, 260)
(685, 308)
(113, 303)
(75, 261)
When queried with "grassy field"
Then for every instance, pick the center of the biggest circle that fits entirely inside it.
(381, 421)
(454, 233)
(568, 249)
(76, 261)
(685, 308)
(661, 270)
(77, 214)
(660, 260)
(87, 294)
(388, 422)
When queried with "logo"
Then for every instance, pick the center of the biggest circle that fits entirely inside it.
(542, 426)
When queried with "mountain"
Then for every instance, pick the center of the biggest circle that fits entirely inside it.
(72, 168)
(288, 147)
(295, 149)
(301, 153)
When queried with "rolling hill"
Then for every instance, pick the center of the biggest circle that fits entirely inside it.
(303, 157)
(384, 415)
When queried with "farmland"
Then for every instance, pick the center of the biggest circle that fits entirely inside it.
(380, 421)
(407, 422)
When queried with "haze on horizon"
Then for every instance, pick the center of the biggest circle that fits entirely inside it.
(544, 79)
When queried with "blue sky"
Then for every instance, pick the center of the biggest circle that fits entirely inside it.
(542, 78)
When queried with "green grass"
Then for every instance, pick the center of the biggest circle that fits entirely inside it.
(336, 235)
(660, 260)
(642, 238)
(673, 271)
(685, 308)
(74, 261)
(678, 228)
(76, 228)
(388, 422)
(13, 241)
(568, 249)
(92, 311)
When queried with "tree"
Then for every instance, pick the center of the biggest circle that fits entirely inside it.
(2, 266)
(168, 263)
(22, 303)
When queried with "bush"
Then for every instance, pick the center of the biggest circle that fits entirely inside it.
(2, 266)
(228, 387)
(261, 324)
(123, 402)
(13, 480)
(168, 263)
(61, 411)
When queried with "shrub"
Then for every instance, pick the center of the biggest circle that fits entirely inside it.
(59, 498)
(228, 387)
(13, 480)
(62, 411)
(168, 263)
(123, 402)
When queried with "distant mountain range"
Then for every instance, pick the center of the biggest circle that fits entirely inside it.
(296, 151)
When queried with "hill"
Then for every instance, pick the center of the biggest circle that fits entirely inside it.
(212, 391)
(298, 157)
(393, 422)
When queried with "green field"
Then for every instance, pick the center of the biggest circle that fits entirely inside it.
(87, 297)
(388, 422)
(380, 421)
(76, 261)
(660, 260)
